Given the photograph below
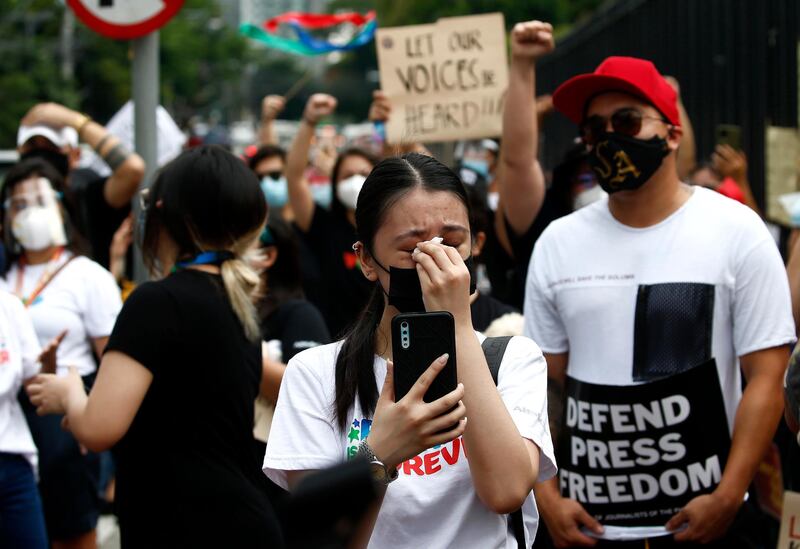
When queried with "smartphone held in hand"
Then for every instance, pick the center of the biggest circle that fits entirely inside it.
(418, 339)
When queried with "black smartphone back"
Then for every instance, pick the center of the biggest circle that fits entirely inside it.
(417, 340)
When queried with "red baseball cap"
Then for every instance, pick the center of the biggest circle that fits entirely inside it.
(637, 77)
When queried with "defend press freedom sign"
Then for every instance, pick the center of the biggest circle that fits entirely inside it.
(446, 81)
(634, 455)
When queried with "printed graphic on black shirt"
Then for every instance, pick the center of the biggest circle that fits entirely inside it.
(634, 455)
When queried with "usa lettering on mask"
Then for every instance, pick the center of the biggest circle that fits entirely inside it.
(623, 163)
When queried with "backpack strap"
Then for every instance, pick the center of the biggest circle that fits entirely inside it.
(494, 348)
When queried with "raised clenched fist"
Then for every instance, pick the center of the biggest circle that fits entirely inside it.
(531, 40)
(271, 106)
(318, 107)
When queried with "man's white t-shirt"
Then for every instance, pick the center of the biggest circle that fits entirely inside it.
(587, 267)
(19, 353)
(587, 270)
(433, 503)
(82, 298)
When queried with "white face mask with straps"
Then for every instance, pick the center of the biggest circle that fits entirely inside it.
(348, 189)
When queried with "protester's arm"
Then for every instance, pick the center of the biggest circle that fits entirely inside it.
(127, 167)
(732, 163)
(100, 420)
(687, 152)
(271, 374)
(118, 251)
(271, 107)
(99, 345)
(564, 517)
(302, 201)
(521, 179)
(502, 485)
(793, 272)
(757, 417)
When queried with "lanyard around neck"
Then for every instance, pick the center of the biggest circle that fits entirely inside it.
(47, 276)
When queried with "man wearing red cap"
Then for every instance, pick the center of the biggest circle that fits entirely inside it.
(641, 286)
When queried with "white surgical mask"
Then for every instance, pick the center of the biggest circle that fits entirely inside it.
(347, 190)
(39, 227)
(584, 198)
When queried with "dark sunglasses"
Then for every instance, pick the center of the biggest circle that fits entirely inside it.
(277, 174)
(626, 121)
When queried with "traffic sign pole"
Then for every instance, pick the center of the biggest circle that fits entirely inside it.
(145, 102)
(138, 21)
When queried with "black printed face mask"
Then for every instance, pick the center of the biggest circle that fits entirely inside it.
(405, 290)
(623, 163)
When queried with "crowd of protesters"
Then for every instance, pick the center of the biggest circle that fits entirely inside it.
(260, 353)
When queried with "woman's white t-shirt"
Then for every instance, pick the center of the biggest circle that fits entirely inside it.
(19, 353)
(433, 503)
(82, 298)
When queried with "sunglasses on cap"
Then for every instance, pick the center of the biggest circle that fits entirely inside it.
(277, 174)
(625, 121)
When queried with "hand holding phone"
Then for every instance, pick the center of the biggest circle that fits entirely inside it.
(403, 428)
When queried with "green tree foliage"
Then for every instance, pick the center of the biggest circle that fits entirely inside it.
(202, 62)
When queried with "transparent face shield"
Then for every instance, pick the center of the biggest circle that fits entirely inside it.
(35, 215)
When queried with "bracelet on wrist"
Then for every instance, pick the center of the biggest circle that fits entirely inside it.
(82, 124)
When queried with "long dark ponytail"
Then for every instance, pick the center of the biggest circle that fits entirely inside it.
(389, 181)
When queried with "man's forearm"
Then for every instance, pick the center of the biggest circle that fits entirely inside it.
(756, 419)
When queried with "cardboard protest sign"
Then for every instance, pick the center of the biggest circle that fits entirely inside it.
(446, 81)
(634, 455)
(789, 538)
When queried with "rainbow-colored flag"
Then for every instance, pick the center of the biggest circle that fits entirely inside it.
(305, 43)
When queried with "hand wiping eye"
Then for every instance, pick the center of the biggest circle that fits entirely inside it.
(435, 240)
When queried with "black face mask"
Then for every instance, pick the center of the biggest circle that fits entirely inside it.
(405, 290)
(624, 163)
(59, 161)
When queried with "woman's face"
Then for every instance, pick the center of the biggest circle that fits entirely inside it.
(34, 191)
(354, 164)
(416, 217)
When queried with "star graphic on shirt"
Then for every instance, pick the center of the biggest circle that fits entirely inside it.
(354, 435)
(355, 423)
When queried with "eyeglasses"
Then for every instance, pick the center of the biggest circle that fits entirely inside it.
(277, 174)
(627, 121)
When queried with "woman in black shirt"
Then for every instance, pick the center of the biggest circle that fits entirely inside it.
(175, 391)
(330, 235)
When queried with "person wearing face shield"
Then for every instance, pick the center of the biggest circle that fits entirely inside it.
(330, 234)
(52, 132)
(647, 283)
(64, 292)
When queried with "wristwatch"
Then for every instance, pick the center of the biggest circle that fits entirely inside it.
(380, 473)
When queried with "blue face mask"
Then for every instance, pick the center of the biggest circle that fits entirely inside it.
(479, 166)
(323, 195)
(275, 191)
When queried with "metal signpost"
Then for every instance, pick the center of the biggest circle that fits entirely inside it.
(137, 20)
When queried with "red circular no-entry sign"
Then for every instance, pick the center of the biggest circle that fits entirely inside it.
(125, 19)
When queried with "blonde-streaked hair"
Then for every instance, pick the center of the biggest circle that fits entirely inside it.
(209, 200)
